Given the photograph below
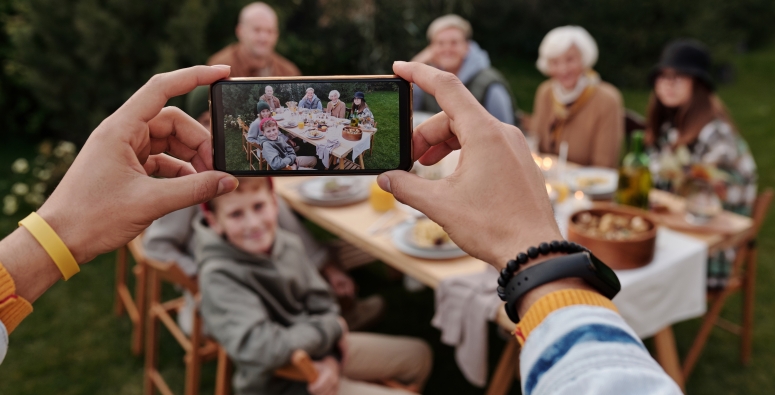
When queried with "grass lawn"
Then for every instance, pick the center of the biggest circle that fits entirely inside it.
(384, 106)
(72, 343)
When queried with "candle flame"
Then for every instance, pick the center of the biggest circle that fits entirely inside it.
(579, 195)
(547, 163)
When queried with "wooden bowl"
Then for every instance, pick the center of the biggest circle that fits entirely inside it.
(351, 133)
(618, 254)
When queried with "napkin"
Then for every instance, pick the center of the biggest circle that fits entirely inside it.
(324, 150)
(464, 305)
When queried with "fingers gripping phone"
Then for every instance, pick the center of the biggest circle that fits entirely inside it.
(287, 126)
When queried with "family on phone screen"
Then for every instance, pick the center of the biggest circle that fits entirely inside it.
(281, 151)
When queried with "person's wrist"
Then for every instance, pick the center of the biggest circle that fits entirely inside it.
(66, 230)
(508, 249)
(530, 298)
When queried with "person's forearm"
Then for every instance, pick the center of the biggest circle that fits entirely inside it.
(31, 268)
(558, 353)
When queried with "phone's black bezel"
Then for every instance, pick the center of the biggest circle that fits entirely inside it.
(405, 125)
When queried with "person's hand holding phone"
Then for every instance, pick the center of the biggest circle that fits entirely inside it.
(495, 204)
(110, 193)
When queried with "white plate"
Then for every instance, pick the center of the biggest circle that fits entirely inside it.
(309, 136)
(312, 191)
(609, 180)
(400, 240)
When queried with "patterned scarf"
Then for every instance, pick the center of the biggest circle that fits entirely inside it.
(565, 104)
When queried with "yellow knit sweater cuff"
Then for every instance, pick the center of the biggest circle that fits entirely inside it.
(13, 308)
(555, 301)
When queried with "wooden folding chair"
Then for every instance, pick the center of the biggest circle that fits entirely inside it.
(255, 152)
(371, 146)
(742, 277)
(134, 306)
(198, 348)
(245, 143)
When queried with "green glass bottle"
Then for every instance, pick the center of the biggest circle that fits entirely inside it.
(635, 176)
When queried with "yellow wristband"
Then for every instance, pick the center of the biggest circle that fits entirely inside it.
(54, 246)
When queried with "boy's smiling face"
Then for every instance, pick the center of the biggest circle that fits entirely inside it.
(248, 220)
(271, 132)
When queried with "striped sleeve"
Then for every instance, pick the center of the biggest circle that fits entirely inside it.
(589, 349)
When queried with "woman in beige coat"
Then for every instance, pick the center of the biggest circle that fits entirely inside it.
(574, 105)
(335, 107)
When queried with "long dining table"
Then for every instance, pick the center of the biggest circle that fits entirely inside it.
(352, 222)
(335, 127)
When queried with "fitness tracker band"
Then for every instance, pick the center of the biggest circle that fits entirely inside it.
(582, 265)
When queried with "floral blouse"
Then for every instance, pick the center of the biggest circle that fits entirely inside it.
(720, 151)
(366, 113)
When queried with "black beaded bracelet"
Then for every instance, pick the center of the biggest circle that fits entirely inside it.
(523, 258)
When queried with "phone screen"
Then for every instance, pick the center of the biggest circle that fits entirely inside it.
(311, 126)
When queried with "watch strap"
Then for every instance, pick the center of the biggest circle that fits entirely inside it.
(579, 265)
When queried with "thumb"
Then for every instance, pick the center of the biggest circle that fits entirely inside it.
(411, 189)
(185, 191)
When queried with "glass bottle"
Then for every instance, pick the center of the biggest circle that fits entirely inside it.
(634, 176)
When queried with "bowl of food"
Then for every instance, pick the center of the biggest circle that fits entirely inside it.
(322, 127)
(352, 133)
(622, 237)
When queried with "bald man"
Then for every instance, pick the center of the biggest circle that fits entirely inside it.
(253, 55)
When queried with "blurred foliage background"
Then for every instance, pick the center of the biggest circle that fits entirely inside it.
(67, 64)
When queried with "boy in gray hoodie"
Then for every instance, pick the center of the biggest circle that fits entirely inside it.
(262, 299)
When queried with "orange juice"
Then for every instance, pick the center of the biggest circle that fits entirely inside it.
(380, 200)
(301, 125)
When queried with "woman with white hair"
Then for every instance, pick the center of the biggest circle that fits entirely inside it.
(452, 49)
(574, 105)
(335, 107)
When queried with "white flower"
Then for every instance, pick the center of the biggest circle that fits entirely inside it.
(44, 174)
(10, 204)
(20, 166)
(34, 199)
(20, 188)
(67, 147)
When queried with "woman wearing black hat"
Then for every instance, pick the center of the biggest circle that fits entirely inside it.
(693, 140)
(685, 116)
(360, 109)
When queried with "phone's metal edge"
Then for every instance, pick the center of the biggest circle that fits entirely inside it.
(312, 77)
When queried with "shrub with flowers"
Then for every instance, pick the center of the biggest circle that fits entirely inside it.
(33, 180)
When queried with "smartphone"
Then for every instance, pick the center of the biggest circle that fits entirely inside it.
(290, 126)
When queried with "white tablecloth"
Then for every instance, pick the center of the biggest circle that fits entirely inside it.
(668, 290)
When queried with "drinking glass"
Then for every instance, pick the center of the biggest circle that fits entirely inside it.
(702, 203)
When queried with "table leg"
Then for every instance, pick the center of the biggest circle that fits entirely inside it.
(360, 159)
(667, 355)
(503, 377)
(341, 163)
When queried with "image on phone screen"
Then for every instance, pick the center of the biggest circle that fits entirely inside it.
(359, 125)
